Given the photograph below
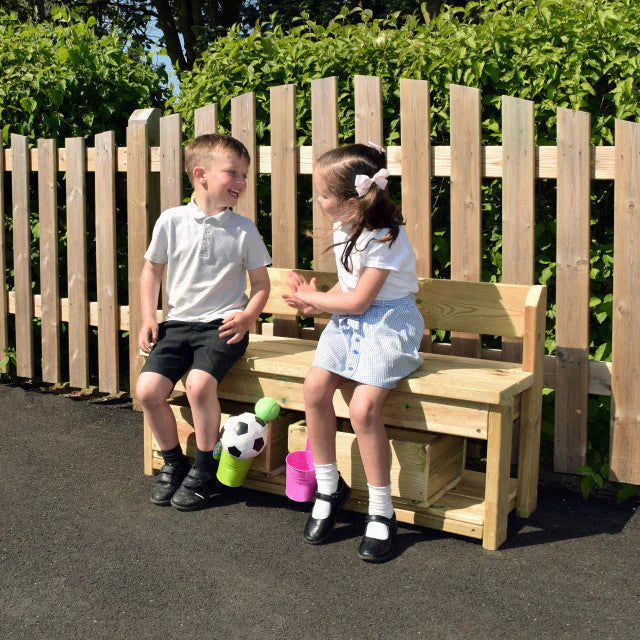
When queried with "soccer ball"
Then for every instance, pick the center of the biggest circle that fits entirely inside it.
(244, 436)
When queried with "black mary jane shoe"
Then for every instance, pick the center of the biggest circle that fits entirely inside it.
(316, 530)
(374, 550)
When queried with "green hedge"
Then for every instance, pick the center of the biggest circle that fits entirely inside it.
(61, 80)
(579, 54)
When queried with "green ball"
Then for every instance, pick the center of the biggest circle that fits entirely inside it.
(267, 409)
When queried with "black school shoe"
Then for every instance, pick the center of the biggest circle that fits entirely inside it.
(374, 550)
(316, 530)
(167, 481)
(196, 490)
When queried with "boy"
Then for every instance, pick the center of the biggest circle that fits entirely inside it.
(208, 250)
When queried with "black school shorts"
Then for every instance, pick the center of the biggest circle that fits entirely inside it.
(197, 345)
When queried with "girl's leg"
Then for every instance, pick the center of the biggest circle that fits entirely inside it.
(365, 412)
(153, 391)
(319, 387)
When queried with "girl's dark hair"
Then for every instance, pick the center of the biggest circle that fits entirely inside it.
(374, 210)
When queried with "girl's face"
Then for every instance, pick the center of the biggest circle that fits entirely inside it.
(338, 210)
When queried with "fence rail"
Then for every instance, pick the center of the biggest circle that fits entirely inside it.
(152, 162)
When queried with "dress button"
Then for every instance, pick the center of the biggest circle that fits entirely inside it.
(349, 368)
(356, 352)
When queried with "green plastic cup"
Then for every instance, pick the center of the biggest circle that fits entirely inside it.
(231, 471)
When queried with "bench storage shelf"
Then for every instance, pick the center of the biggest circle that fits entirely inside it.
(449, 394)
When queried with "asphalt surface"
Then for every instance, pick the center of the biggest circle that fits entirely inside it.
(84, 554)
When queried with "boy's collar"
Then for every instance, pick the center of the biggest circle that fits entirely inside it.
(198, 213)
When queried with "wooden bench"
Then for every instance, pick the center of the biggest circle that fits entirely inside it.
(448, 394)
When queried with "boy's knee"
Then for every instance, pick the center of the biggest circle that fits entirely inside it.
(201, 390)
(149, 394)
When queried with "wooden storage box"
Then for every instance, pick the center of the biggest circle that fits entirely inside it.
(423, 465)
(270, 461)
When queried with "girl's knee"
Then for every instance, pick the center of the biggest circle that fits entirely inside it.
(314, 391)
(363, 413)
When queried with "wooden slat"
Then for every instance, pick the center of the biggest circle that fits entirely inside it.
(106, 261)
(496, 499)
(49, 281)
(518, 202)
(466, 231)
(324, 135)
(4, 302)
(141, 210)
(572, 291)
(415, 135)
(243, 128)
(368, 109)
(528, 444)
(205, 120)
(77, 264)
(22, 256)
(602, 161)
(171, 161)
(625, 383)
(283, 190)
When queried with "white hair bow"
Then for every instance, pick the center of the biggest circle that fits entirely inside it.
(363, 183)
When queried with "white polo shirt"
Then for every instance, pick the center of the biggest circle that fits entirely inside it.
(399, 259)
(207, 258)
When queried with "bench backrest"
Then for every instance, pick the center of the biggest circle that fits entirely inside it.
(474, 307)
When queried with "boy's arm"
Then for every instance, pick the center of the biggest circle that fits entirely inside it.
(354, 302)
(150, 281)
(237, 324)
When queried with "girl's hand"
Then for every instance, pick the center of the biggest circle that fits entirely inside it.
(303, 307)
(299, 285)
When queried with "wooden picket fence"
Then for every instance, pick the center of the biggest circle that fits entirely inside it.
(153, 163)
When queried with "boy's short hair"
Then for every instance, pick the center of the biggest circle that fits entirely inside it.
(203, 149)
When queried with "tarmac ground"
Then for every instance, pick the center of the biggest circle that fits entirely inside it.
(84, 554)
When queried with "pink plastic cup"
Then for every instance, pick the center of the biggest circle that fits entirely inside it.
(300, 483)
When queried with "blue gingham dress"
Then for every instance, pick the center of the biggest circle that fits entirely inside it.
(379, 347)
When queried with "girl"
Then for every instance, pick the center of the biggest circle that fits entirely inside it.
(372, 338)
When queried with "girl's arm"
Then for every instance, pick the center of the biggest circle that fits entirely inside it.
(355, 302)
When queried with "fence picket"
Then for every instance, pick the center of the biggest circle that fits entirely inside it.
(624, 461)
(324, 137)
(22, 256)
(572, 290)
(518, 202)
(205, 120)
(77, 264)
(106, 261)
(142, 208)
(4, 298)
(466, 230)
(243, 128)
(49, 274)
(368, 109)
(284, 167)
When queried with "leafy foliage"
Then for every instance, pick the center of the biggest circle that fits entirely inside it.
(60, 79)
(576, 54)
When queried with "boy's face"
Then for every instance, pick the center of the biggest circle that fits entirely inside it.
(222, 181)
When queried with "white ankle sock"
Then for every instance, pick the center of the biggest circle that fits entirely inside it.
(379, 505)
(327, 479)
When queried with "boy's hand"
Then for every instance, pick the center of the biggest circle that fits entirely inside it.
(235, 325)
(148, 335)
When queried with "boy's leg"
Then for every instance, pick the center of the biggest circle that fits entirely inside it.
(200, 483)
(153, 391)
(202, 393)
